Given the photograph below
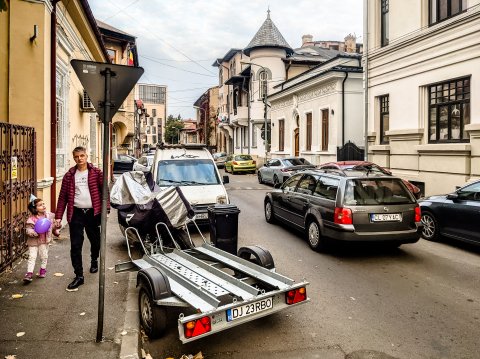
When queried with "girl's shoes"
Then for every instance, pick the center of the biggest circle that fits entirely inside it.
(28, 277)
(42, 273)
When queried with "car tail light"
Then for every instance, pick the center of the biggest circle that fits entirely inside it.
(197, 327)
(296, 295)
(235, 163)
(343, 215)
(418, 214)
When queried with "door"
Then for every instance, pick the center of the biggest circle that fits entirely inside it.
(300, 200)
(297, 142)
(282, 201)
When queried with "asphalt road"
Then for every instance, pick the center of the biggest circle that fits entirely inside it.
(419, 301)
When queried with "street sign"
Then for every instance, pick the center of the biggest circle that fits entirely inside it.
(122, 81)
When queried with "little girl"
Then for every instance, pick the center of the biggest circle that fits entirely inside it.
(38, 242)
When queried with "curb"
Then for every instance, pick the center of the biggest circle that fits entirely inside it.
(130, 341)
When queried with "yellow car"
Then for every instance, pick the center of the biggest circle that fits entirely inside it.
(240, 163)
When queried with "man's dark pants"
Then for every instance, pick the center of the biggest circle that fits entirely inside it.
(83, 219)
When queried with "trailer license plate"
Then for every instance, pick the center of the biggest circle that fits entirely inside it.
(386, 217)
(249, 309)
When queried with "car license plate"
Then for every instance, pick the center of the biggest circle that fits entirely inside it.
(386, 217)
(201, 216)
(249, 309)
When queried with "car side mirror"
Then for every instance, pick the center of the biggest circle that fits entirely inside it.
(226, 179)
(266, 165)
(452, 196)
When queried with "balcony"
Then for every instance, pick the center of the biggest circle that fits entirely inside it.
(240, 116)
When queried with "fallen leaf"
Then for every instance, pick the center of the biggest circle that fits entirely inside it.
(124, 332)
(20, 334)
(113, 283)
(17, 296)
(82, 313)
(110, 268)
(352, 298)
(58, 274)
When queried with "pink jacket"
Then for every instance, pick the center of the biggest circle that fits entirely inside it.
(42, 238)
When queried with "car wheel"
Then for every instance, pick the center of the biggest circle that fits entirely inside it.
(314, 236)
(153, 318)
(430, 226)
(276, 182)
(260, 180)
(269, 215)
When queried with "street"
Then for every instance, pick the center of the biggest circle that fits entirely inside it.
(418, 301)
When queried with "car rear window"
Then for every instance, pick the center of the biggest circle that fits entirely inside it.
(360, 192)
(243, 158)
(297, 162)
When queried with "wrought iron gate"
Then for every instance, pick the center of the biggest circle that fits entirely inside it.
(350, 152)
(17, 182)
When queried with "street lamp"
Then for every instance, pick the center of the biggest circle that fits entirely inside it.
(205, 122)
(265, 94)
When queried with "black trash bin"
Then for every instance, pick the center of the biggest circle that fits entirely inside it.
(223, 220)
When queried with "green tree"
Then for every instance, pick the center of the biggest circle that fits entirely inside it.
(173, 126)
(3, 5)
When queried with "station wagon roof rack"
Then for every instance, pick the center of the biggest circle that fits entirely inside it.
(192, 146)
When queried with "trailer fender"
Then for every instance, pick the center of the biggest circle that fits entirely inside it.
(154, 279)
(260, 255)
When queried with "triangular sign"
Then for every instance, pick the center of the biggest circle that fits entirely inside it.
(91, 76)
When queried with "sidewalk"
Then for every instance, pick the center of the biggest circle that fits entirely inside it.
(61, 324)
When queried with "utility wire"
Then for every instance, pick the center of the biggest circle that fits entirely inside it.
(177, 68)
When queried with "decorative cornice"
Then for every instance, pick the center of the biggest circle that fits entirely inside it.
(282, 104)
(324, 90)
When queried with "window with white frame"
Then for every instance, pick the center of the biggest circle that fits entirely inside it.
(281, 135)
(384, 118)
(262, 83)
(440, 10)
(62, 119)
(384, 22)
(254, 136)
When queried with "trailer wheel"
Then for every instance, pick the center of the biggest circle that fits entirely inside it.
(153, 318)
(257, 255)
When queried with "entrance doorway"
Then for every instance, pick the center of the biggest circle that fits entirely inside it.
(297, 142)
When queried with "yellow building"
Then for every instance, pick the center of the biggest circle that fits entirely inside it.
(39, 90)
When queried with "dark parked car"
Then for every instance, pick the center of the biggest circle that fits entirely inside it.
(356, 206)
(372, 167)
(123, 163)
(455, 215)
(277, 170)
(220, 158)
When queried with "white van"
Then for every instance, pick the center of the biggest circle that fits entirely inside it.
(193, 169)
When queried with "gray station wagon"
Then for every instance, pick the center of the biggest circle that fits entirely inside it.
(343, 205)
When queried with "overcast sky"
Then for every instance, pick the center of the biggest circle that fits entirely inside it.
(179, 40)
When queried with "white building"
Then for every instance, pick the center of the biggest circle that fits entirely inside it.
(423, 70)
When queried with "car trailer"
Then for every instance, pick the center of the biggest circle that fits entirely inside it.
(220, 290)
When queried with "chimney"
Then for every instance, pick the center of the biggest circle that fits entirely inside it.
(307, 40)
(351, 43)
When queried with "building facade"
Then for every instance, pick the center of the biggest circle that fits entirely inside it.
(423, 74)
(151, 113)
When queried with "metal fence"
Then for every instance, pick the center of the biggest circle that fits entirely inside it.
(17, 182)
(350, 152)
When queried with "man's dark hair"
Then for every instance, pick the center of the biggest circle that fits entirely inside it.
(32, 206)
(79, 149)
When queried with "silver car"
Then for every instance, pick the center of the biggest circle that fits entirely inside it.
(277, 170)
(144, 163)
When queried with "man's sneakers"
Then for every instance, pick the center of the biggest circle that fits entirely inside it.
(28, 277)
(77, 282)
(42, 273)
(94, 266)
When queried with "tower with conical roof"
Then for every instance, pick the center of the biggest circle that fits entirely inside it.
(266, 50)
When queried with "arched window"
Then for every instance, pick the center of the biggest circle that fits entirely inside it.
(262, 83)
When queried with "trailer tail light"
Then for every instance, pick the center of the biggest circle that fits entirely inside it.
(343, 216)
(418, 214)
(197, 327)
(296, 295)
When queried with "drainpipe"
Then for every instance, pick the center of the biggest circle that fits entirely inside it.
(365, 71)
(343, 108)
(53, 105)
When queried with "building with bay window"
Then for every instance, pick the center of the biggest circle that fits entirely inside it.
(423, 74)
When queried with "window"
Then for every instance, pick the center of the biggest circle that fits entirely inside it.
(254, 136)
(325, 130)
(62, 145)
(327, 188)
(220, 76)
(281, 135)
(291, 183)
(309, 132)
(152, 94)
(449, 111)
(384, 23)
(307, 185)
(244, 137)
(262, 83)
(154, 139)
(233, 68)
(440, 10)
(112, 55)
(154, 112)
(384, 118)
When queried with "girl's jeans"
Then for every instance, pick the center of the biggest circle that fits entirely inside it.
(41, 249)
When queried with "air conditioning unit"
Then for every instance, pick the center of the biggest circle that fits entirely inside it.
(87, 105)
